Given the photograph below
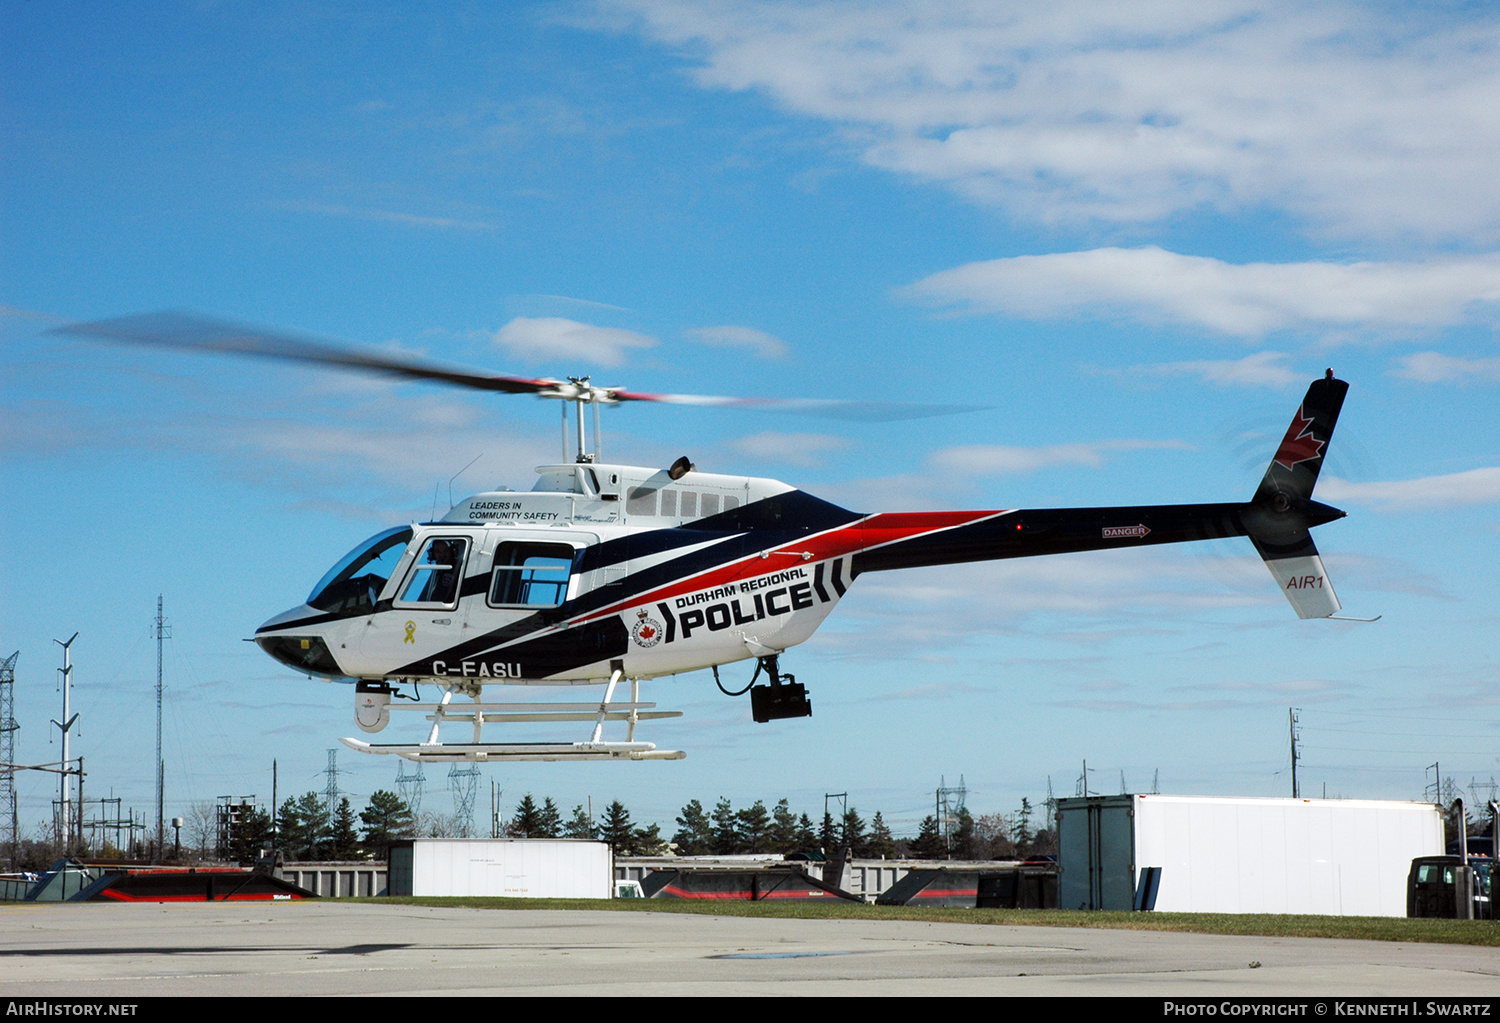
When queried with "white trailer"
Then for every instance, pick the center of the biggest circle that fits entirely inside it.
(522, 868)
(1338, 857)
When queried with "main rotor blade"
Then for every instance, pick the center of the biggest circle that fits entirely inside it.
(825, 408)
(185, 332)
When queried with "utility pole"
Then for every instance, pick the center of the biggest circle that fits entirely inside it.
(64, 820)
(161, 630)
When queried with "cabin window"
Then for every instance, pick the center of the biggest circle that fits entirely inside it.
(689, 505)
(640, 501)
(531, 574)
(435, 577)
(669, 503)
(731, 503)
(354, 584)
(710, 504)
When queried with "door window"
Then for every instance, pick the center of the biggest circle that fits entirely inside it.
(531, 574)
(434, 579)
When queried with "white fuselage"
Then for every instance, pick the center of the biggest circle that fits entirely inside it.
(599, 568)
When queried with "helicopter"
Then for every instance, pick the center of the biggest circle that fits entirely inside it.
(606, 573)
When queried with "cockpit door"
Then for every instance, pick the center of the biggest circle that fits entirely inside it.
(426, 615)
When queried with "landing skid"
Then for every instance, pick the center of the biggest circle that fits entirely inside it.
(478, 713)
(481, 752)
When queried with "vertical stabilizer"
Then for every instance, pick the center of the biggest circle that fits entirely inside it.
(1294, 469)
(1283, 509)
(1299, 572)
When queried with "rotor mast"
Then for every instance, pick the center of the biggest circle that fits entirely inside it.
(579, 392)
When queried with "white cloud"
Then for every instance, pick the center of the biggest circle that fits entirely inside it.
(390, 216)
(1363, 119)
(1242, 300)
(999, 458)
(552, 337)
(1263, 369)
(1436, 368)
(1477, 486)
(757, 342)
(805, 449)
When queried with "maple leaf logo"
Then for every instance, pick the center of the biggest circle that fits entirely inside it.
(647, 632)
(1299, 444)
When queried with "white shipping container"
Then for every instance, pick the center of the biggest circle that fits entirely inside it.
(1339, 857)
(523, 868)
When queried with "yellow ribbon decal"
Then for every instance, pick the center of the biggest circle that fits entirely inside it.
(411, 628)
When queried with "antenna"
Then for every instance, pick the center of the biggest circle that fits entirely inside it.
(161, 630)
(457, 475)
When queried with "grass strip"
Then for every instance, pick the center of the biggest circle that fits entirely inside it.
(1363, 928)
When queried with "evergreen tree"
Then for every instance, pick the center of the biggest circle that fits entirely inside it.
(783, 829)
(579, 825)
(928, 845)
(648, 842)
(249, 834)
(386, 819)
(526, 820)
(317, 824)
(343, 842)
(806, 837)
(754, 826)
(549, 820)
(828, 836)
(616, 828)
(726, 840)
(1023, 836)
(964, 840)
(852, 833)
(881, 842)
(695, 835)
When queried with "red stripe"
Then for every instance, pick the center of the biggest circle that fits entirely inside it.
(683, 894)
(110, 893)
(873, 531)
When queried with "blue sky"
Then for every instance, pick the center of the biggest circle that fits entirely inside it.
(1134, 232)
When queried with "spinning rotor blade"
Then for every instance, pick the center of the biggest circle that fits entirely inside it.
(186, 332)
(825, 408)
(197, 334)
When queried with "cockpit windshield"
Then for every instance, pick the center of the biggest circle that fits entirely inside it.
(356, 581)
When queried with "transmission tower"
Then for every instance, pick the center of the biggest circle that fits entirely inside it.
(331, 790)
(1292, 722)
(464, 781)
(409, 787)
(949, 802)
(8, 729)
(65, 787)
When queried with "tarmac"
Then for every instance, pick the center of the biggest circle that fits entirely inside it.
(348, 949)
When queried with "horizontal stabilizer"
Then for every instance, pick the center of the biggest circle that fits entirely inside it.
(1298, 570)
